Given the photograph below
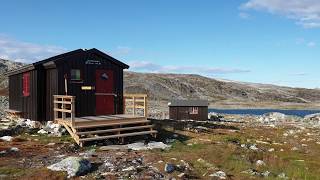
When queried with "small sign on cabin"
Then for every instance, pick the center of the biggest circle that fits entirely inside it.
(87, 88)
(93, 62)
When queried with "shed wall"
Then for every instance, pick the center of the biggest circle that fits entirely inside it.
(182, 113)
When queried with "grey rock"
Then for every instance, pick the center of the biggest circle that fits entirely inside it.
(74, 166)
(219, 174)
(282, 176)
(113, 147)
(169, 168)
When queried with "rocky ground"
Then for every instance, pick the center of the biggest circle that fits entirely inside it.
(272, 146)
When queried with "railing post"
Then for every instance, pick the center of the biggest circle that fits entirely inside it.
(55, 105)
(134, 105)
(72, 110)
(145, 105)
(63, 107)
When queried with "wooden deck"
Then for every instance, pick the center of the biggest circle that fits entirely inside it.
(91, 128)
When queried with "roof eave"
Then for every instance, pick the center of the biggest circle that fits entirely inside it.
(22, 69)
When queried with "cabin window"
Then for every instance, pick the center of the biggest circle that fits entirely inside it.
(75, 74)
(26, 84)
(193, 110)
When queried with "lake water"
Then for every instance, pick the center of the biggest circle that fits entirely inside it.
(301, 113)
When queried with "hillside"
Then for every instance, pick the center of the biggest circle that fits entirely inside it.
(221, 93)
(6, 65)
(167, 86)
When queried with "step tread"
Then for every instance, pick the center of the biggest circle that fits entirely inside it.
(117, 135)
(103, 124)
(113, 130)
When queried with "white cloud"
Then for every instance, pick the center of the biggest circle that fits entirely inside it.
(311, 44)
(26, 52)
(302, 41)
(120, 51)
(300, 74)
(304, 12)
(147, 66)
(244, 15)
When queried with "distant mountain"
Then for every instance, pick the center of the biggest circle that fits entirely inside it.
(164, 87)
(184, 86)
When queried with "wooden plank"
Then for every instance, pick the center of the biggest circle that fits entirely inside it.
(136, 100)
(11, 111)
(63, 96)
(114, 130)
(79, 123)
(136, 107)
(62, 102)
(103, 124)
(135, 95)
(73, 135)
(62, 110)
(117, 136)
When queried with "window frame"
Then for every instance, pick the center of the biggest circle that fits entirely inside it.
(80, 75)
(194, 110)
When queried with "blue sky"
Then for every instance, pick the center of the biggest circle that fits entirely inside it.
(263, 41)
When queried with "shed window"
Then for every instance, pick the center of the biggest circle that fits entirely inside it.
(26, 84)
(193, 110)
(75, 74)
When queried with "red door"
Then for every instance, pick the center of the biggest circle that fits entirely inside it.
(104, 92)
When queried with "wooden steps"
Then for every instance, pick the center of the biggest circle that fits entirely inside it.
(113, 130)
(94, 128)
(106, 123)
(118, 136)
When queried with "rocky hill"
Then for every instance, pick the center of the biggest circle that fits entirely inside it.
(163, 87)
(168, 86)
(6, 65)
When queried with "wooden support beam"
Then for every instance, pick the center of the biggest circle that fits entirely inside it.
(117, 135)
(115, 130)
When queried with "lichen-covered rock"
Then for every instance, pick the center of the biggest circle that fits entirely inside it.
(74, 166)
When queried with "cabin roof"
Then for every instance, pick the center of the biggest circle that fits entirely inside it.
(61, 56)
(188, 103)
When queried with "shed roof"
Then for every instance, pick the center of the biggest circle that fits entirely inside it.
(61, 56)
(188, 103)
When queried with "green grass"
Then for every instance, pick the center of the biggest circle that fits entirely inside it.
(10, 171)
(223, 152)
(45, 139)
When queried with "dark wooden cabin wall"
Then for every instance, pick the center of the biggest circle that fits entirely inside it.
(41, 93)
(27, 105)
(51, 89)
(182, 113)
(86, 99)
(44, 83)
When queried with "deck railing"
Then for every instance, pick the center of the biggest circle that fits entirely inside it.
(64, 108)
(135, 104)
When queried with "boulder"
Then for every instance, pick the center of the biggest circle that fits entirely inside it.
(271, 118)
(74, 166)
(169, 168)
(152, 145)
(113, 147)
(6, 138)
(260, 163)
(212, 116)
(54, 129)
(41, 131)
(14, 149)
(219, 174)
(313, 117)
